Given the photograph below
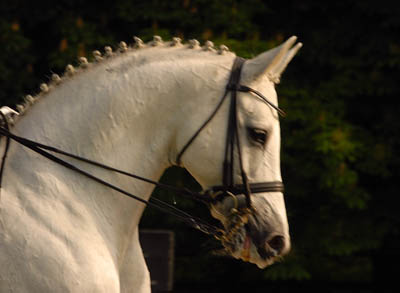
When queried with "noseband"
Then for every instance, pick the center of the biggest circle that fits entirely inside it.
(228, 187)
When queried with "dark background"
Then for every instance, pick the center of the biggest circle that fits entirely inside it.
(340, 140)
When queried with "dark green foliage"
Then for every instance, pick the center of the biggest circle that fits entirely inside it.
(340, 138)
(15, 62)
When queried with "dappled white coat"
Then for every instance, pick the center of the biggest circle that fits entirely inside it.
(61, 232)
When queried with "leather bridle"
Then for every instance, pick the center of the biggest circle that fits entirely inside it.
(210, 196)
(229, 188)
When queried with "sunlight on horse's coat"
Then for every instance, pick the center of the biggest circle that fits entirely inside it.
(133, 108)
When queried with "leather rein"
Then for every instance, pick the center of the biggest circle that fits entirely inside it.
(210, 196)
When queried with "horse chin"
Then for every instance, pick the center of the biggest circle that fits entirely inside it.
(245, 250)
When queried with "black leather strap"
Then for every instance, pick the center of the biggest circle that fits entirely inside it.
(4, 123)
(178, 160)
(233, 138)
(45, 150)
(258, 187)
(243, 88)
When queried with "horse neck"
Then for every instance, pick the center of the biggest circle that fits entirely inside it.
(108, 116)
(121, 115)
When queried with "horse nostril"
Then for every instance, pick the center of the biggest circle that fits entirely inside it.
(277, 243)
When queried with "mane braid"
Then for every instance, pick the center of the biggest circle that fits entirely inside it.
(99, 58)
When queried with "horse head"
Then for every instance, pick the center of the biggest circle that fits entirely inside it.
(255, 223)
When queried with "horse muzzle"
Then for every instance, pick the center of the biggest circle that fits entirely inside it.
(255, 234)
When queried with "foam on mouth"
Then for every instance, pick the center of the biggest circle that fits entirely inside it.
(246, 248)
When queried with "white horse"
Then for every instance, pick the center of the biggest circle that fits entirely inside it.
(133, 109)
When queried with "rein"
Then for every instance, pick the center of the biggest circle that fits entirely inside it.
(45, 150)
(211, 196)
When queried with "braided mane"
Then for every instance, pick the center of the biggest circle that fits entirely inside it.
(102, 58)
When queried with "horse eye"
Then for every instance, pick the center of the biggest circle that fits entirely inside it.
(258, 135)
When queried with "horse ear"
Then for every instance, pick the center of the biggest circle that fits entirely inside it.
(272, 62)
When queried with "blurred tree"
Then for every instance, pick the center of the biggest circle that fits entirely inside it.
(16, 58)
